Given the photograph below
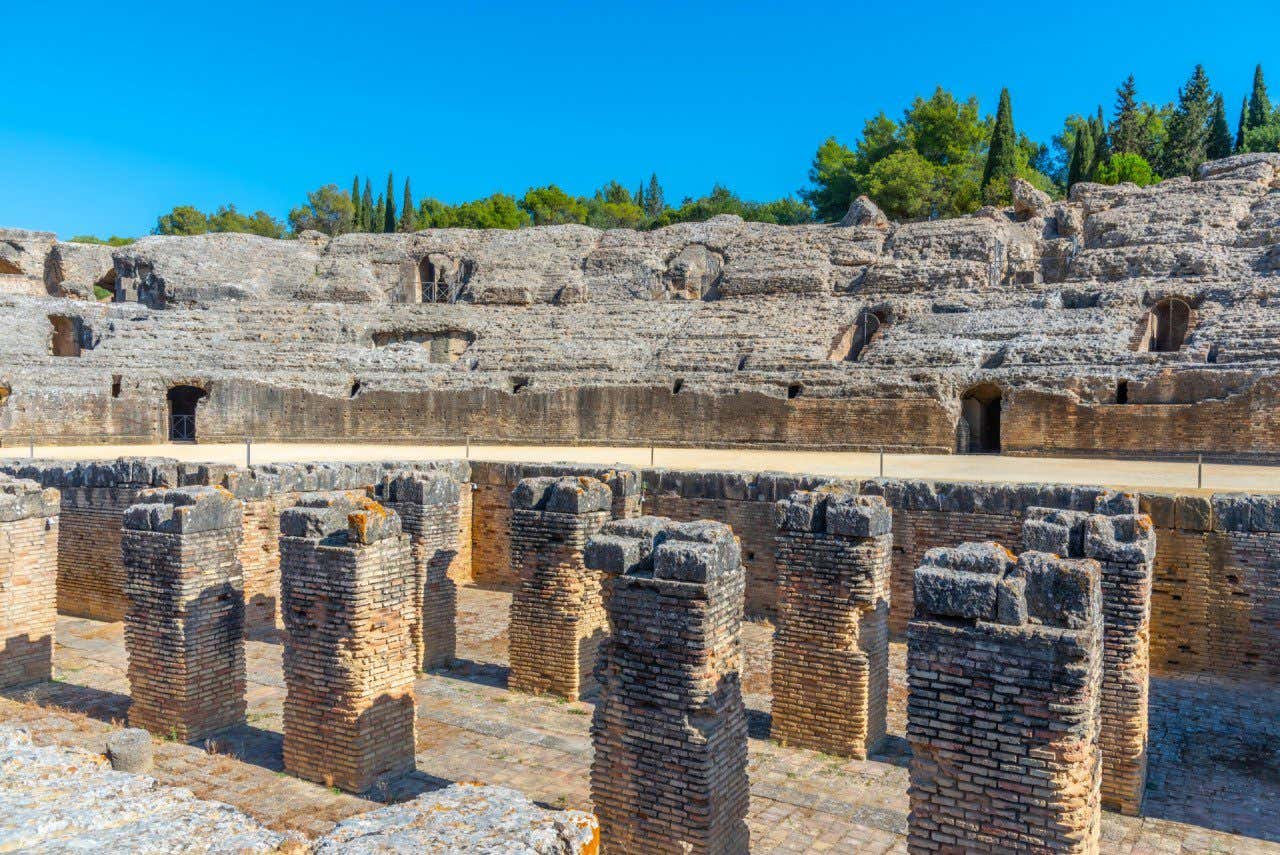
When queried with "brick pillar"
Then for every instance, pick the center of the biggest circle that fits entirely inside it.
(28, 581)
(1124, 545)
(831, 642)
(184, 621)
(557, 611)
(346, 573)
(670, 730)
(1004, 664)
(429, 504)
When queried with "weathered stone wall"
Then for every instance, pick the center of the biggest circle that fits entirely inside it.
(669, 773)
(184, 627)
(831, 646)
(557, 610)
(346, 595)
(28, 574)
(1004, 663)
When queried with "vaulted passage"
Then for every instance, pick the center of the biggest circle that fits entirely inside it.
(979, 429)
(855, 338)
(1167, 325)
(64, 340)
(183, 401)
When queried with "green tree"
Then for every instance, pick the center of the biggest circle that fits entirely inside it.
(366, 208)
(1188, 141)
(328, 210)
(1081, 165)
(357, 219)
(904, 185)
(551, 206)
(612, 207)
(1126, 128)
(834, 178)
(434, 214)
(1219, 145)
(379, 214)
(498, 211)
(389, 212)
(1243, 124)
(1259, 102)
(406, 210)
(228, 219)
(1101, 144)
(114, 240)
(1126, 167)
(182, 220)
(1265, 137)
(1002, 153)
(654, 200)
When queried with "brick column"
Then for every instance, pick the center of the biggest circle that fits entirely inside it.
(184, 621)
(1004, 663)
(428, 504)
(557, 611)
(831, 642)
(28, 581)
(1125, 546)
(670, 730)
(346, 572)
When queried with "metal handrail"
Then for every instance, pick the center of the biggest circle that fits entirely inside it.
(182, 428)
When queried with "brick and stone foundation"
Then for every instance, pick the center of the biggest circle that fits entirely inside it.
(28, 581)
(1004, 661)
(557, 611)
(831, 642)
(184, 625)
(670, 730)
(428, 504)
(347, 577)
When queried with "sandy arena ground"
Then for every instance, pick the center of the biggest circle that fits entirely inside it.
(1179, 475)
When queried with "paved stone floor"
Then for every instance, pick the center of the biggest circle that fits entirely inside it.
(1215, 774)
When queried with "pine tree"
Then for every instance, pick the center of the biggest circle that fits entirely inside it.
(1259, 103)
(638, 198)
(1189, 126)
(406, 209)
(1126, 127)
(1080, 167)
(1002, 153)
(1243, 124)
(357, 215)
(654, 202)
(1219, 145)
(366, 208)
(389, 213)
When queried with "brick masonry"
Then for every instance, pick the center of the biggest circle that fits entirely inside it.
(557, 610)
(28, 573)
(347, 599)
(1004, 661)
(669, 773)
(184, 626)
(831, 644)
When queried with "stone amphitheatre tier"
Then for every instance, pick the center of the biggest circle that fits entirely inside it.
(1122, 321)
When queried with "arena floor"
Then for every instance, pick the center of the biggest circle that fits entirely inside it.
(1180, 475)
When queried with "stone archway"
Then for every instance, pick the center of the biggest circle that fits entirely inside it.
(980, 411)
(183, 401)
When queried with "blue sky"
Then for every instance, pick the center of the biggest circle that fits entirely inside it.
(113, 113)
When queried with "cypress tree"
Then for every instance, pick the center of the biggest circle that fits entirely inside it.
(389, 213)
(366, 208)
(1101, 145)
(357, 215)
(1002, 153)
(1189, 126)
(406, 209)
(1080, 167)
(1243, 124)
(1259, 103)
(1126, 127)
(1219, 132)
(638, 198)
(379, 214)
(654, 201)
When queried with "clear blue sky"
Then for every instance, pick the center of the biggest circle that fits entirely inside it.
(113, 113)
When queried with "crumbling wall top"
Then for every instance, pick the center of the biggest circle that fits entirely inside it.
(339, 519)
(22, 499)
(836, 510)
(564, 495)
(658, 549)
(185, 510)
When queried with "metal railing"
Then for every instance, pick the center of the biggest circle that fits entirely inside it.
(182, 428)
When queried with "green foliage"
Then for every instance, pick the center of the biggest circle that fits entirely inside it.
(721, 200)
(904, 183)
(357, 217)
(114, 240)
(613, 207)
(389, 212)
(1188, 142)
(1265, 137)
(1126, 129)
(551, 206)
(228, 219)
(655, 201)
(406, 210)
(1219, 145)
(1003, 154)
(1243, 124)
(1080, 167)
(182, 220)
(834, 179)
(498, 211)
(328, 210)
(1259, 102)
(366, 209)
(1126, 167)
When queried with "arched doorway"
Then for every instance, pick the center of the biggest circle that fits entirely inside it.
(183, 401)
(979, 432)
(1167, 325)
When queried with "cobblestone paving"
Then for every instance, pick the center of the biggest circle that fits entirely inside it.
(1215, 775)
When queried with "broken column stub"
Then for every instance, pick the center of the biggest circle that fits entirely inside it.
(184, 620)
(831, 643)
(429, 504)
(28, 580)
(1004, 660)
(557, 610)
(670, 730)
(346, 573)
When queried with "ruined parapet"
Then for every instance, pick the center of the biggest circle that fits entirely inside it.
(1124, 545)
(557, 611)
(428, 504)
(670, 729)
(1004, 660)
(831, 642)
(184, 624)
(28, 580)
(347, 573)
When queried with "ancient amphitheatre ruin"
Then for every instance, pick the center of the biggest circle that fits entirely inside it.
(649, 658)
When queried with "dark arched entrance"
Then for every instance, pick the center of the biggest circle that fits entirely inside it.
(1167, 325)
(979, 432)
(183, 401)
